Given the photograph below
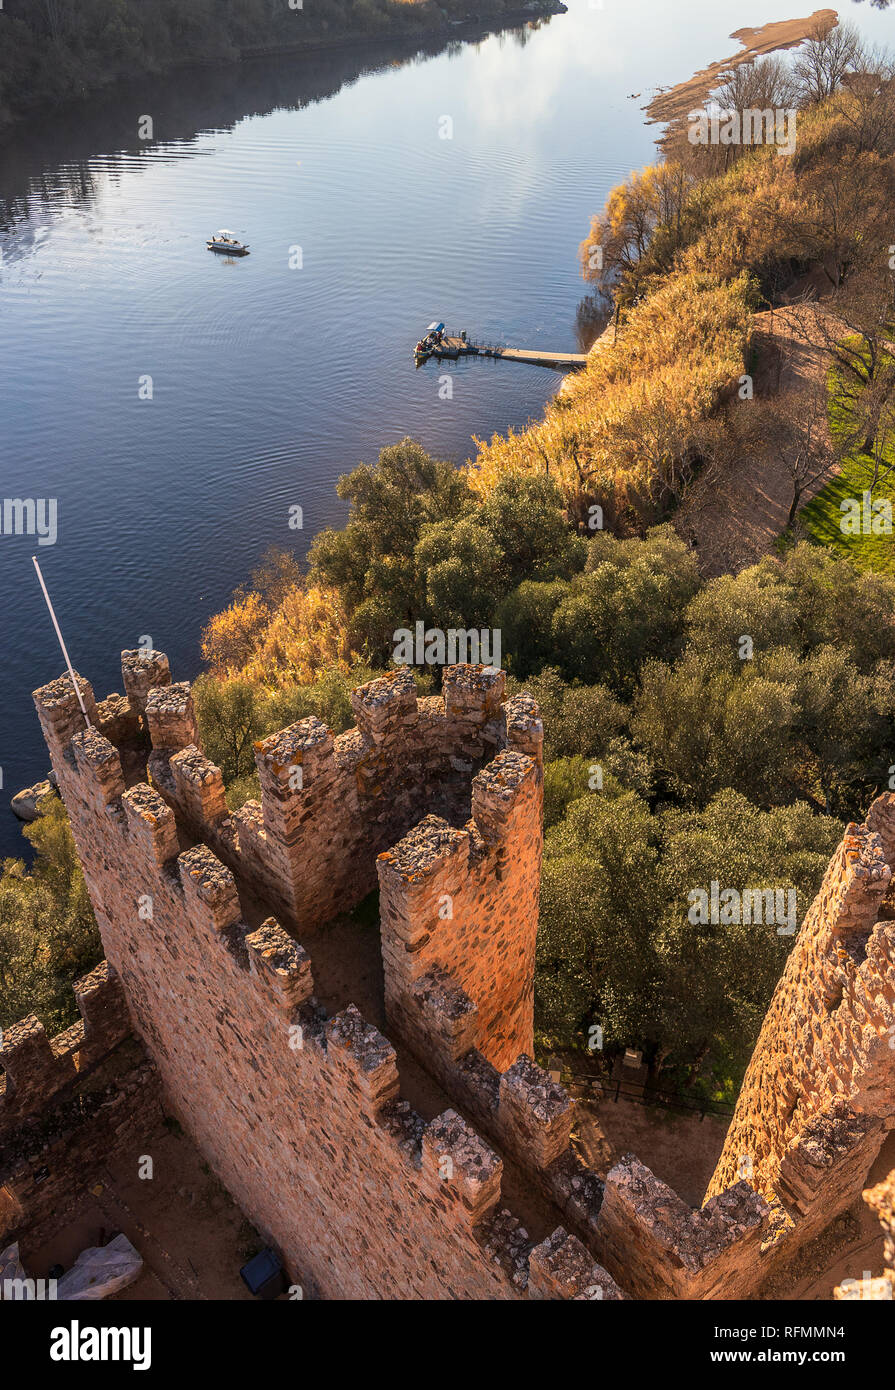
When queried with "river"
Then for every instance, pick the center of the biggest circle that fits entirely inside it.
(270, 378)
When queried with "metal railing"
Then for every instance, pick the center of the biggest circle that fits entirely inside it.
(617, 1088)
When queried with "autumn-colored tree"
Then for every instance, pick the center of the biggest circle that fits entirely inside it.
(292, 641)
(230, 637)
(619, 434)
(650, 204)
(278, 629)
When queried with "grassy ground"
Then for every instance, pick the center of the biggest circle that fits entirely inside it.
(822, 517)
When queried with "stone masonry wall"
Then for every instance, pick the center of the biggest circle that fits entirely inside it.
(330, 805)
(819, 1093)
(35, 1067)
(299, 1115)
(68, 1103)
(460, 907)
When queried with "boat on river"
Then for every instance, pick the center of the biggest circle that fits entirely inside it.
(227, 244)
(436, 343)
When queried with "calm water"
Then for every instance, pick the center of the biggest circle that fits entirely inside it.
(269, 381)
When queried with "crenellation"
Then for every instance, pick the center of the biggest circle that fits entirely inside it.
(386, 707)
(662, 1249)
(307, 745)
(60, 713)
(198, 786)
(458, 1163)
(834, 1150)
(282, 964)
(818, 1096)
(35, 1067)
(143, 670)
(328, 806)
(209, 887)
(151, 826)
(103, 1008)
(474, 1082)
(99, 766)
(171, 717)
(537, 1111)
(33, 1070)
(473, 693)
(497, 791)
(301, 1115)
(561, 1267)
(365, 1059)
(524, 728)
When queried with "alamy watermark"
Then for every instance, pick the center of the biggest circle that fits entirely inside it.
(730, 907)
(435, 647)
(717, 126)
(865, 517)
(25, 1290)
(30, 516)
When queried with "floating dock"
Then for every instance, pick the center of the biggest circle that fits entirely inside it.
(453, 346)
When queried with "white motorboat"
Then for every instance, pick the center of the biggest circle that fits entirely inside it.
(227, 244)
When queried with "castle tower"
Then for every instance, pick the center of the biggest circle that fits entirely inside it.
(300, 1114)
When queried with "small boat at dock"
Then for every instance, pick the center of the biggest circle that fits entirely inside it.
(431, 339)
(438, 344)
(227, 244)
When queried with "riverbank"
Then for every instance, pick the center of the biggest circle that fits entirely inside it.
(653, 428)
(67, 73)
(673, 104)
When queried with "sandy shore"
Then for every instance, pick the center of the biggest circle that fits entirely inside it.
(675, 103)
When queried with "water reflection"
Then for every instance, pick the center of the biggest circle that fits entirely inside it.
(64, 147)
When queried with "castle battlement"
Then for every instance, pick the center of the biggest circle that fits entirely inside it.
(34, 1067)
(319, 1122)
(819, 1094)
(302, 1113)
(68, 1102)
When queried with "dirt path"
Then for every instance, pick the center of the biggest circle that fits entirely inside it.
(680, 1149)
(191, 1235)
(735, 516)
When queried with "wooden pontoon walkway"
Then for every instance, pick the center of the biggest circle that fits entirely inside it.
(452, 348)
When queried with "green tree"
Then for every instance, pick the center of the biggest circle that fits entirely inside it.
(48, 935)
(626, 609)
(617, 945)
(371, 560)
(229, 719)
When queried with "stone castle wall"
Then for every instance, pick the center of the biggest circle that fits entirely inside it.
(819, 1094)
(301, 1115)
(67, 1104)
(329, 805)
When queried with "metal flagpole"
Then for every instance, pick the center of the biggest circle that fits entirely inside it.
(61, 640)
